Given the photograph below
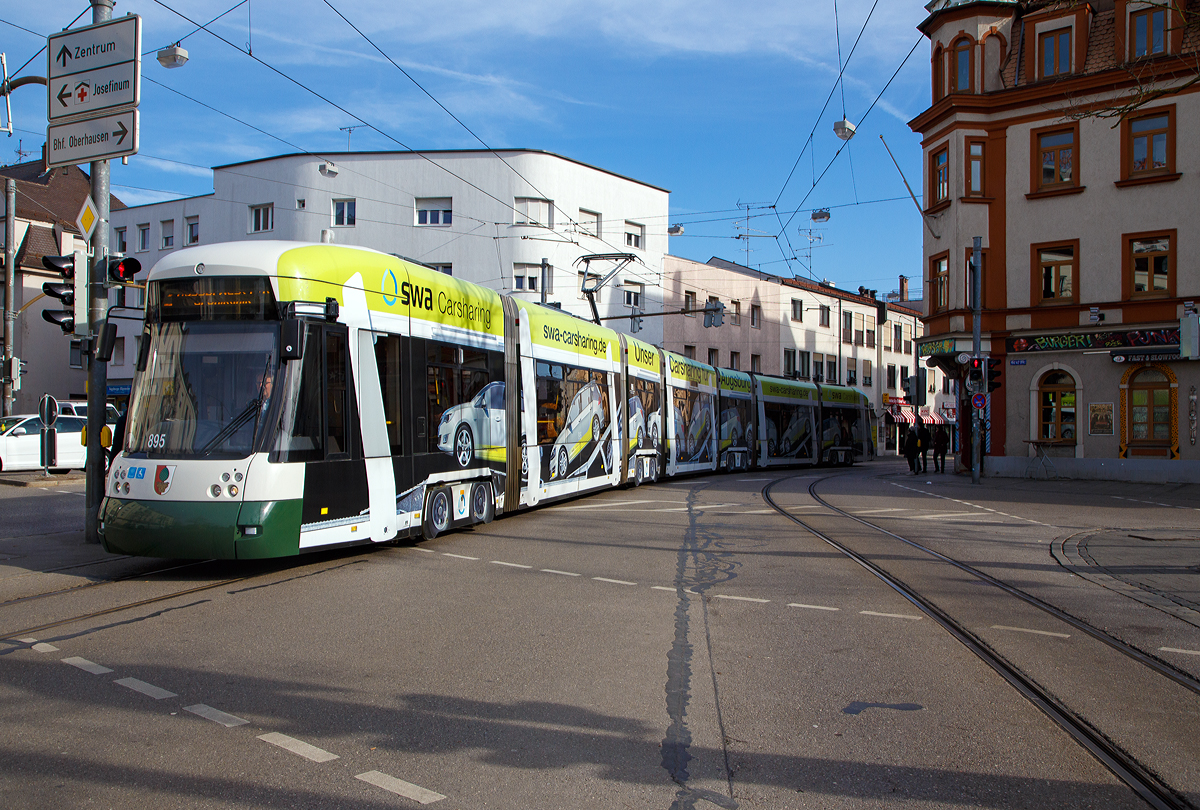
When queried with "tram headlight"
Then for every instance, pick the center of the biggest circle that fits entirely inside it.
(215, 490)
(225, 477)
(233, 490)
(126, 487)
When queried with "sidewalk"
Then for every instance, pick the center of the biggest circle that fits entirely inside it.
(36, 478)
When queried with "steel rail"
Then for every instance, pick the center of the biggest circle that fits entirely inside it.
(1166, 670)
(1145, 784)
(86, 585)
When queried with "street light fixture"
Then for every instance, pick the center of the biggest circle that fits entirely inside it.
(173, 56)
(820, 215)
(844, 129)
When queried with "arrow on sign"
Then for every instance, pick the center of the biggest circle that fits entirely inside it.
(63, 55)
(122, 132)
(63, 95)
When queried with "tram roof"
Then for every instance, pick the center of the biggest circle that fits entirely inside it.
(246, 258)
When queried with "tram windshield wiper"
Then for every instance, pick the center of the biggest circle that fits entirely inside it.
(248, 413)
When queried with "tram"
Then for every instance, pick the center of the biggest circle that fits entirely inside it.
(292, 397)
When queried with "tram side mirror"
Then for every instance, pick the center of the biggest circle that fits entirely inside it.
(290, 345)
(331, 310)
(143, 351)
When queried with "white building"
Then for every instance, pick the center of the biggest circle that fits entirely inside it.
(487, 217)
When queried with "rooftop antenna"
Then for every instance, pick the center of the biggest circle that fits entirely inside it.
(350, 131)
(22, 153)
(749, 233)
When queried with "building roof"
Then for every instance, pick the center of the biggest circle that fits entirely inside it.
(39, 241)
(51, 196)
(431, 152)
(811, 286)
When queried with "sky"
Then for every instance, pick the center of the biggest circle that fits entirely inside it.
(722, 108)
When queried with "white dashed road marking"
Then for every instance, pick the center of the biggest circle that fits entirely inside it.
(560, 573)
(608, 504)
(1027, 630)
(510, 565)
(298, 747)
(27, 640)
(614, 581)
(741, 598)
(43, 647)
(811, 607)
(148, 689)
(878, 511)
(400, 787)
(672, 590)
(216, 715)
(890, 615)
(87, 666)
(1177, 650)
(458, 556)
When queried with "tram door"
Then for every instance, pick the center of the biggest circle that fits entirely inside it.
(335, 477)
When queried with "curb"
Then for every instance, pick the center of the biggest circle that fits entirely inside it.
(40, 481)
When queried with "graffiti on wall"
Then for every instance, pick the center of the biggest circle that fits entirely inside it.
(1095, 340)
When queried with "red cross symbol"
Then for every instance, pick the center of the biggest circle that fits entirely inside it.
(82, 92)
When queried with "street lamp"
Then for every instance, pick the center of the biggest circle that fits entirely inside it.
(843, 129)
(173, 56)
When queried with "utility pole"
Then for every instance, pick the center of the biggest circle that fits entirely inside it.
(976, 348)
(97, 389)
(10, 275)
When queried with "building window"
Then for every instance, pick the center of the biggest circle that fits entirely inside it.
(939, 73)
(975, 168)
(589, 279)
(961, 66)
(908, 331)
(343, 213)
(527, 277)
(789, 362)
(823, 316)
(891, 377)
(714, 358)
(898, 338)
(521, 281)
(1149, 30)
(1056, 402)
(193, 230)
(1055, 50)
(756, 363)
(262, 218)
(167, 229)
(590, 223)
(870, 331)
(867, 379)
(1149, 413)
(847, 327)
(119, 239)
(1056, 159)
(860, 322)
(300, 204)
(118, 355)
(1148, 262)
(802, 367)
(689, 352)
(939, 176)
(851, 371)
(444, 269)
(831, 369)
(689, 304)
(434, 211)
(818, 367)
(1149, 144)
(735, 317)
(143, 242)
(755, 316)
(735, 361)
(1057, 267)
(635, 235)
(797, 310)
(939, 275)
(633, 294)
(533, 211)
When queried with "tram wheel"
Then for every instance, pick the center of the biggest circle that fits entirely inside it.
(437, 513)
(482, 504)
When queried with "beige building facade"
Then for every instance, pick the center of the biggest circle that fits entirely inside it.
(1057, 134)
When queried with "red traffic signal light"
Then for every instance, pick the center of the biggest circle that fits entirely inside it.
(975, 373)
(122, 269)
(61, 264)
(994, 369)
(72, 287)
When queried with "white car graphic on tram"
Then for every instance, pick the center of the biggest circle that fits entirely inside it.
(585, 423)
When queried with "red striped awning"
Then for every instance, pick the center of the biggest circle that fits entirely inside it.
(903, 413)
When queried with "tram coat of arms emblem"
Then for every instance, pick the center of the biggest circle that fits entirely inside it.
(162, 478)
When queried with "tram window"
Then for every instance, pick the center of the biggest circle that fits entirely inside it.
(387, 359)
(454, 375)
(336, 394)
(306, 440)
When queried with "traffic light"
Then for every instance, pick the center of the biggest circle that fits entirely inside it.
(714, 313)
(71, 291)
(121, 269)
(921, 387)
(975, 370)
(908, 384)
(994, 368)
(635, 320)
(18, 368)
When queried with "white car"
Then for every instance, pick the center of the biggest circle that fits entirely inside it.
(637, 424)
(475, 427)
(584, 424)
(20, 443)
(70, 407)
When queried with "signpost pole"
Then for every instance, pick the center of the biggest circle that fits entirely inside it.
(10, 315)
(976, 348)
(97, 389)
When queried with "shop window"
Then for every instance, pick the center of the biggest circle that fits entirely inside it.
(1056, 404)
(1149, 413)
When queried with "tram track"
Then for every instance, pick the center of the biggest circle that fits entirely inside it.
(1145, 783)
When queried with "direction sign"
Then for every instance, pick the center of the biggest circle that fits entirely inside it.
(94, 91)
(94, 46)
(91, 139)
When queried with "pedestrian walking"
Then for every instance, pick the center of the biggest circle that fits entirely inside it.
(941, 442)
(925, 443)
(912, 449)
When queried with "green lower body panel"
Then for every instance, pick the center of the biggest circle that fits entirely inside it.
(200, 531)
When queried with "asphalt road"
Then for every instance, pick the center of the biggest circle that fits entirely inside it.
(675, 646)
